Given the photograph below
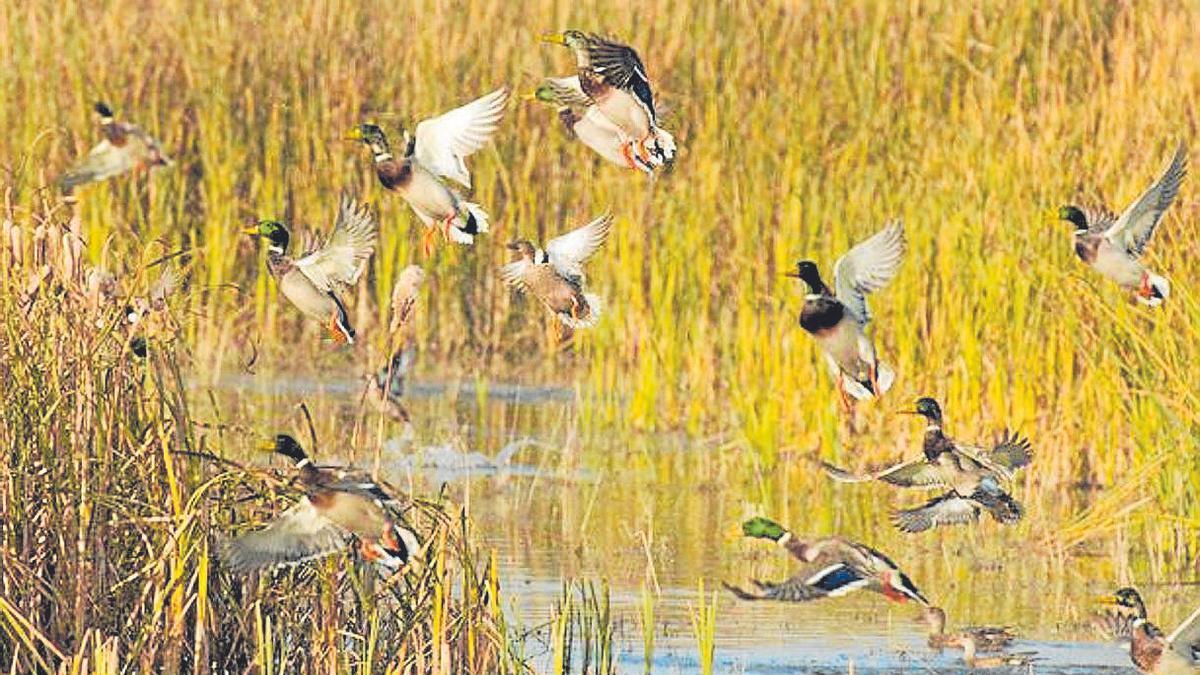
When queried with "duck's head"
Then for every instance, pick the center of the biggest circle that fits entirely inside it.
(928, 408)
(287, 446)
(935, 618)
(544, 93)
(273, 231)
(105, 112)
(373, 137)
(806, 271)
(1073, 215)
(524, 248)
(763, 528)
(575, 39)
(1126, 600)
(139, 346)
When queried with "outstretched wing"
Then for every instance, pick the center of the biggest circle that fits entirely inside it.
(513, 274)
(105, 160)
(868, 267)
(299, 534)
(569, 251)
(815, 582)
(442, 142)
(1137, 224)
(1012, 452)
(621, 67)
(566, 91)
(949, 509)
(917, 473)
(1185, 640)
(342, 259)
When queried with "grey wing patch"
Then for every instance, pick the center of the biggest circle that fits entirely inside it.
(360, 484)
(917, 473)
(105, 160)
(297, 535)
(868, 267)
(789, 590)
(1137, 224)
(1098, 218)
(567, 92)
(1012, 452)
(949, 509)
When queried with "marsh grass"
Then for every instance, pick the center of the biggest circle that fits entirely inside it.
(704, 628)
(116, 501)
(581, 630)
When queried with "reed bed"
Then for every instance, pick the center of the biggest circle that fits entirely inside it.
(116, 501)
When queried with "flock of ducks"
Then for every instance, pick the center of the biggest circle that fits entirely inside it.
(608, 105)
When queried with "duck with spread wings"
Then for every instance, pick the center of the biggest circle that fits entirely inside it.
(832, 567)
(838, 318)
(554, 274)
(612, 75)
(437, 152)
(125, 147)
(1113, 245)
(339, 506)
(974, 476)
(314, 281)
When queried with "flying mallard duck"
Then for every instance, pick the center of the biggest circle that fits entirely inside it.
(554, 275)
(1113, 245)
(974, 476)
(124, 147)
(337, 505)
(312, 282)
(438, 150)
(838, 320)
(612, 76)
(986, 638)
(1151, 650)
(833, 566)
(583, 120)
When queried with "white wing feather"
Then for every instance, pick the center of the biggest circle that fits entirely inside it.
(514, 274)
(298, 534)
(443, 141)
(568, 252)
(868, 267)
(1137, 224)
(342, 259)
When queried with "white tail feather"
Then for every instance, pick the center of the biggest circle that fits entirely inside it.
(1162, 288)
(593, 315)
(458, 234)
(663, 149)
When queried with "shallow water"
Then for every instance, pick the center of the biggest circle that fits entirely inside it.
(662, 512)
